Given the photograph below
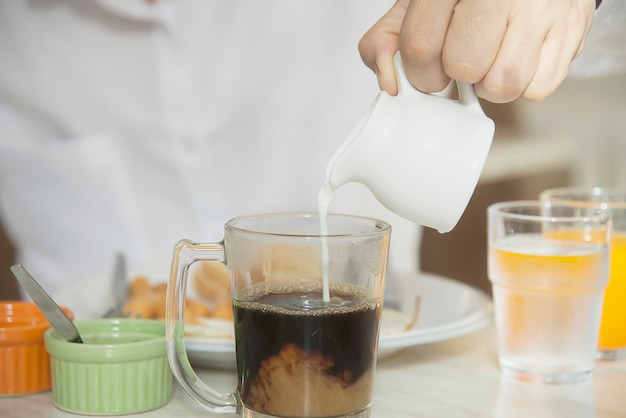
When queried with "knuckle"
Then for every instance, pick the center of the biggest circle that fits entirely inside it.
(505, 83)
(463, 71)
(365, 51)
(498, 92)
(537, 94)
(420, 48)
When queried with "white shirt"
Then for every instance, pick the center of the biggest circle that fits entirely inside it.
(126, 126)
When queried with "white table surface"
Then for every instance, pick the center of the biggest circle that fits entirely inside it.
(454, 378)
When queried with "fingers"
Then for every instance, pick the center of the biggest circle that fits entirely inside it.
(474, 39)
(506, 72)
(506, 48)
(560, 47)
(541, 40)
(421, 41)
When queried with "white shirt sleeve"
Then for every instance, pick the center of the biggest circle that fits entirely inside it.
(604, 52)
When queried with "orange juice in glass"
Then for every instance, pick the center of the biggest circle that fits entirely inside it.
(613, 325)
(548, 276)
(612, 338)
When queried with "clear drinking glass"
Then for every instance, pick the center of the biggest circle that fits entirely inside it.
(612, 339)
(548, 265)
(307, 311)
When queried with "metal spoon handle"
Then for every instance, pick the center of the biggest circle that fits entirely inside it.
(53, 313)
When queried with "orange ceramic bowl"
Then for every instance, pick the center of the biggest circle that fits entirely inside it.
(24, 361)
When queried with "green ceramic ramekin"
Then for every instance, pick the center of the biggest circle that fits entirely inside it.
(121, 368)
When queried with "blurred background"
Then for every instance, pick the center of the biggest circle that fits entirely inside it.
(576, 137)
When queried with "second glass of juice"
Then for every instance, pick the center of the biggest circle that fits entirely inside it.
(612, 338)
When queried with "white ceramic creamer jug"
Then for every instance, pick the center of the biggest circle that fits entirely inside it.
(420, 154)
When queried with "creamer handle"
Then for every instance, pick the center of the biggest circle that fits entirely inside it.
(185, 254)
(468, 98)
(404, 86)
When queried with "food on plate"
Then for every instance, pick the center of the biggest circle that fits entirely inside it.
(396, 322)
(211, 281)
(139, 286)
(147, 300)
(211, 284)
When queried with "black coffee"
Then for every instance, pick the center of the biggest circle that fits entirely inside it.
(299, 355)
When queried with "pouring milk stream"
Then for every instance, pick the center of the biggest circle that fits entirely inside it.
(420, 154)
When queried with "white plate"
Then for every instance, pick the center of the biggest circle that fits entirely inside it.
(448, 309)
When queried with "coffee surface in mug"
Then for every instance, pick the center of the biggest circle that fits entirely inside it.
(336, 355)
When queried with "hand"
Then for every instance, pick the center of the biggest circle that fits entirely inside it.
(506, 48)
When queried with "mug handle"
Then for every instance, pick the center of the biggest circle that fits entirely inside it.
(467, 95)
(185, 254)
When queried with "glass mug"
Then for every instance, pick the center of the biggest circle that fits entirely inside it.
(307, 311)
